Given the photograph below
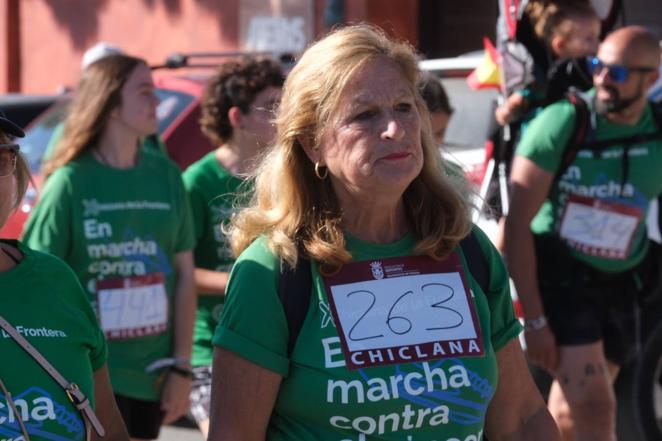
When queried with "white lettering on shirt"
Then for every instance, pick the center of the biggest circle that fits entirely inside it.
(96, 230)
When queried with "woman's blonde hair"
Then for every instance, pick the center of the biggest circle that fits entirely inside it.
(548, 16)
(97, 94)
(299, 212)
(22, 173)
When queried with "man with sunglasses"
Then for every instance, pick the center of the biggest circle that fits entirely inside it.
(578, 214)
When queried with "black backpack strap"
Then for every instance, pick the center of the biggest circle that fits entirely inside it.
(579, 132)
(295, 287)
(478, 265)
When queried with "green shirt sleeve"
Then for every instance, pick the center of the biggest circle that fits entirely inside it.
(546, 137)
(49, 226)
(503, 322)
(253, 324)
(99, 347)
(75, 296)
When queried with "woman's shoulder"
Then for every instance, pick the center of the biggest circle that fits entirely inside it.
(257, 267)
(259, 252)
(45, 262)
(47, 266)
(206, 171)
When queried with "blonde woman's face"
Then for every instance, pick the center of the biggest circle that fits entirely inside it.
(372, 144)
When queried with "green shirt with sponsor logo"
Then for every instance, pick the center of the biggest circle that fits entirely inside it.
(42, 298)
(438, 399)
(121, 226)
(596, 177)
(212, 193)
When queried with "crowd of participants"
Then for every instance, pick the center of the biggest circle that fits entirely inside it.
(363, 304)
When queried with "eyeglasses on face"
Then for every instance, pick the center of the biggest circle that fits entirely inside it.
(617, 72)
(8, 154)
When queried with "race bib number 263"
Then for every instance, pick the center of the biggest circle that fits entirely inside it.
(401, 310)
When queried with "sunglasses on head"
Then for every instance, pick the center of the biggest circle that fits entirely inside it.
(617, 72)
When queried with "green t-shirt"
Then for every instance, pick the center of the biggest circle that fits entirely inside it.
(321, 399)
(211, 191)
(43, 300)
(119, 225)
(596, 178)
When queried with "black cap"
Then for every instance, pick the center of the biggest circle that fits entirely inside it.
(9, 127)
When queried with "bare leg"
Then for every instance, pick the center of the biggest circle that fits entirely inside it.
(582, 399)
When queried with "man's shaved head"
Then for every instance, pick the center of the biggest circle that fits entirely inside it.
(637, 45)
(636, 50)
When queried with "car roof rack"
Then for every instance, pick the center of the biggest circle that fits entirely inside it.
(183, 60)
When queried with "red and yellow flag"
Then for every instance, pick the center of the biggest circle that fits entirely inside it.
(488, 73)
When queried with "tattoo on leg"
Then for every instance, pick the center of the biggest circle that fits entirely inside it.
(591, 369)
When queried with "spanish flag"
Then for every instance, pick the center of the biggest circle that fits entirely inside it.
(488, 73)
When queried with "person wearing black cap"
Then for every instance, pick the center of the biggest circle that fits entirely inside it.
(57, 321)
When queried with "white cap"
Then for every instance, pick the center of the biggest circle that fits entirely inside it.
(99, 51)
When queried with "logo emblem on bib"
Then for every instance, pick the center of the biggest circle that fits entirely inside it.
(377, 270)
(417, 309)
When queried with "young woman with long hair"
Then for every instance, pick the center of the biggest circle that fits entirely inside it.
(118, 215)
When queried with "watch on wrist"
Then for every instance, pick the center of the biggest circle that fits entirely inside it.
(535, 324)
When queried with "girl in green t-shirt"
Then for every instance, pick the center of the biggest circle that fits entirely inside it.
(119, 216)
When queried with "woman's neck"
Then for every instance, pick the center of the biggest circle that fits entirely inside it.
(117, 148)
(376, 221)
(234, 159)
(8, 258)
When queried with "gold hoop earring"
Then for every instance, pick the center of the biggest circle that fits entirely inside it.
(317, 171)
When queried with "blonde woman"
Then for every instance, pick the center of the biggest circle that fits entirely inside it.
(56, 319)
(119, 216)
(399, 340)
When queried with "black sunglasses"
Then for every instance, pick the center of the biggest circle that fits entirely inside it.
(617, 72)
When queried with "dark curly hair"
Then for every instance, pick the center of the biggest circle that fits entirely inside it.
(236, 83)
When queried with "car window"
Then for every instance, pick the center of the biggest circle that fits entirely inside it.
(38, 134)
(171, 104)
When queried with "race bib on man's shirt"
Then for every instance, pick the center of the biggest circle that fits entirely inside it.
(598, 228)
(405, 309)
(132, 307)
